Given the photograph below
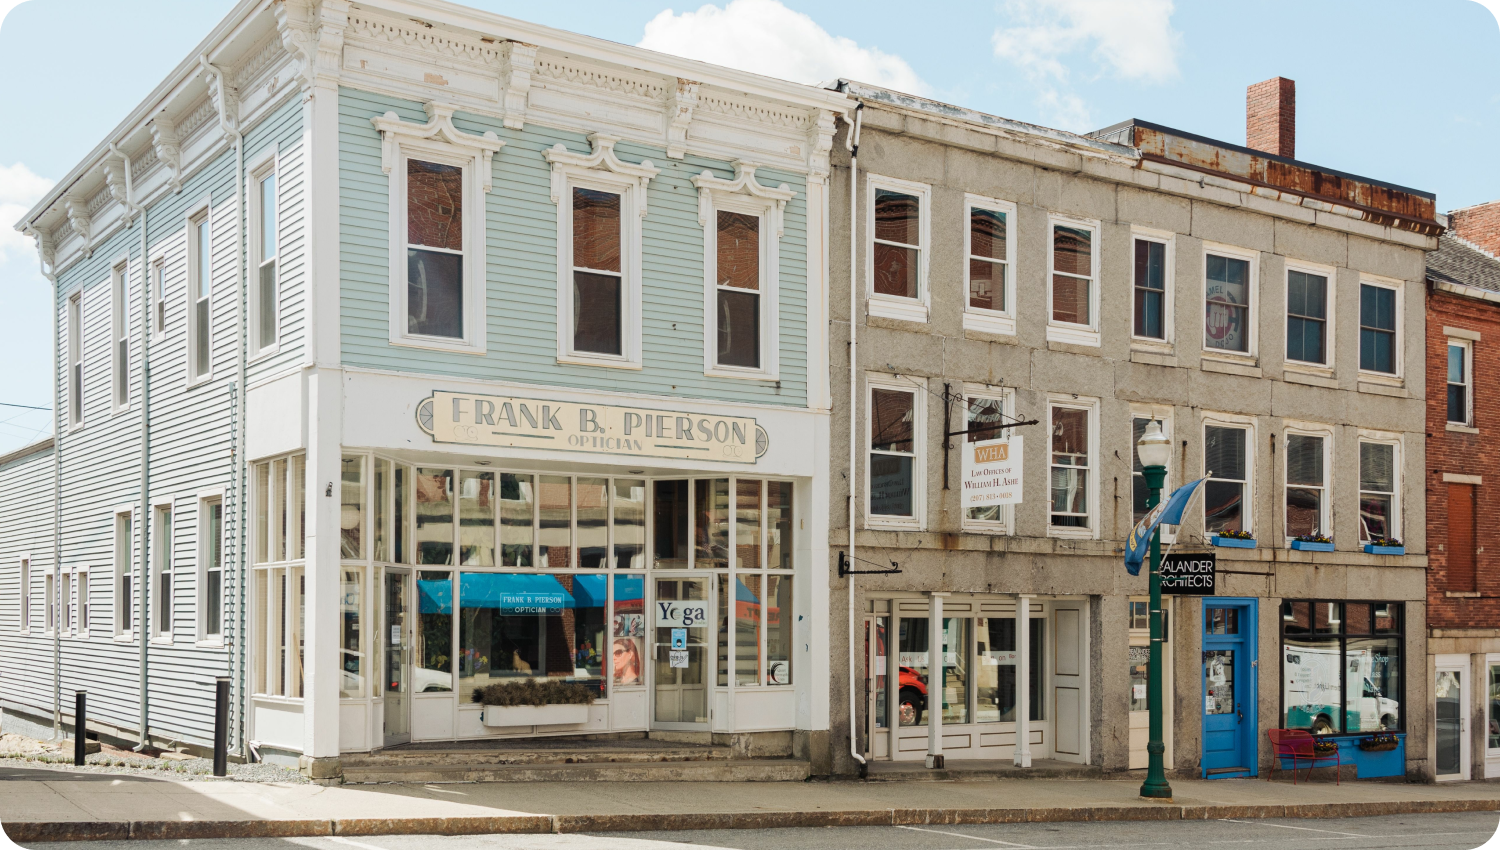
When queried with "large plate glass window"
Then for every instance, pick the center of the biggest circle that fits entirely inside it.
(1341, 666)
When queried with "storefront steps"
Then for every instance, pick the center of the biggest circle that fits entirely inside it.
(979, 770)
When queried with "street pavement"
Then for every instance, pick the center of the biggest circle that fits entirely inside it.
(1460, 831)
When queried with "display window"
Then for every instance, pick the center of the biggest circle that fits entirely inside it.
(1342, 666)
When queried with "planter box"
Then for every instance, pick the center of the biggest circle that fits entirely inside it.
(1379, 748)
(1231, 543)
(1307, 546)
(534, 715)
(1372, 549)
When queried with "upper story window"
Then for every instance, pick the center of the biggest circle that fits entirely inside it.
(1072, 461)
(162, 546)
(211, 569)
(899, 230)
(25, 594)
(1152, 309)
(1307, 508)
(1460, 382)
(434, 249)
(1073, 282)
(1377, 329)
(1307, 316)
(1226, 463)
(990, 269)
(266, 302)
(1229, 302)
(158, 298)
(200, 292)
(119, 334)
(894, 466)
(75, 359)
(1379, 474)
(738, 302)
(124, 589)
(598, 282)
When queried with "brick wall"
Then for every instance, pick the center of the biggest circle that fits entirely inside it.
(1480, 225)
(1271, 117)
(1464, 454)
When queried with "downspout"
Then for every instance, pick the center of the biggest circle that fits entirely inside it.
(144, 523)
(851, 142)
(231, 130)
(51, 277)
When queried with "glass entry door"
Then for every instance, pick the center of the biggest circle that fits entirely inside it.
(1450, 693)
(682, 645)
(397, 656)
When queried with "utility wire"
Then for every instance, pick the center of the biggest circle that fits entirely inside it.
(26, 406)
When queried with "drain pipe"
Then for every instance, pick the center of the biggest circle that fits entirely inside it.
(851, 142)
(51, 276)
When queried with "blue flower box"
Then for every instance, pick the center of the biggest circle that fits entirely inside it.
(1232, 543)
(1308, 546)
(1372, 549)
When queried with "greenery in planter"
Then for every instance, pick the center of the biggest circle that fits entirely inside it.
(535, 692)
(1379, 741)
(1313, 538)
(1235, 535)
(1325, 747)
(1387, 541)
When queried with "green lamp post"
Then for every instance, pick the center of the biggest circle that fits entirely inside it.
(1154, 450)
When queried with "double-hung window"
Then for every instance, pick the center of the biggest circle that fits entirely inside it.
(66, 601)
(1151, 274)
(119, 335)
(1229, 293)
(1307, 507)
(987, 408)
(1227, 465)
(1073, 281)
(1379, 474)
(742, 228)
(75, 360)
(1307, 317)
(898, 213)
(161, 548)
(989, 274)
(25, 594)
(124, 583)
(1073, 452)
(200, 296)
(50, 588)
(894, 465)
(211, 568)
(1378, 349)
(158, 298)
(265, 261)
(1460, 382)
(81, 588)
(434, 249)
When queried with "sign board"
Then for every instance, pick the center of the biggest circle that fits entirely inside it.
(1189, 575)
(681, 614)
(991, 472)
(679, 638)
(677, 659)
(485, 420)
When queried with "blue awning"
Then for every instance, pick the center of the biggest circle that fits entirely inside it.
(589, 591)
(435, 597)
(743, 593)
(629, 588)
(515, 593)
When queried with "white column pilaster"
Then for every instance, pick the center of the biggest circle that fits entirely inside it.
(1023, 681)
(935, 681)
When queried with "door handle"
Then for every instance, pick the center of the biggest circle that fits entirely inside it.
(1238, 713)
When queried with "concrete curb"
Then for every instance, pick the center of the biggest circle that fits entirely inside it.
(43, 831)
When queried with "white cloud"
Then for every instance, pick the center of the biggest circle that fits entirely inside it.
(765, 37)
(1133, 39)
(20, 188)
(1065, 110)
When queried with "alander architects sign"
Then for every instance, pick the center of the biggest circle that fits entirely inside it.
(483, 420)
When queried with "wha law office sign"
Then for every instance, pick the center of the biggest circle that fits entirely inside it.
(991, 472)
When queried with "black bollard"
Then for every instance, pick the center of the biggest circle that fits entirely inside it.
(221, 726)
(80, 726)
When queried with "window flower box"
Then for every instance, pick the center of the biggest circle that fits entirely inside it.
(1311, 546)
(1233, 542)
(552, 714)
(532, 702)
(1372, 549)
(1379, 743)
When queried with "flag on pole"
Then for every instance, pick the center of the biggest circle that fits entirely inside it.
(1168, 511)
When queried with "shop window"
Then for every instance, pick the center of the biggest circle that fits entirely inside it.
(555, 525)
(1071, 465)
(1228, 290)
(352, 519)
(1342, 666)
(476, 519)
(711, 528)
(1460, 382)
(747, 523)
(628, 631)
(1306, 485)
(1226, 492)
(162, 546)
(1378, 342)
(1492, 710)
(380, 509)
(894, 464)
(779, 525)
(516, 626)
(280, 510)
(1073, 282)
(670, 537)
(434, 644)
(995, 680)
(265, 303)
(1150, 273)
(517, 519)
(593, 523)
(1306, 317)
(1378, 474)
(400, 514)
(352, 649)
(628, 519)
(119, 334)
(211, 569)
(124, 583)
(432, 526)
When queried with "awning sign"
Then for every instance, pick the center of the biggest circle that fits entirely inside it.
(544, 424)
(1189, 575)
(992, 472)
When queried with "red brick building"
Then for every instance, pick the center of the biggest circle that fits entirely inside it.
(1463, 513)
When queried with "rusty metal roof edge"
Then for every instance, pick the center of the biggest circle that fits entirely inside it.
(889, 97)
(1137, 122)
(1464, 290)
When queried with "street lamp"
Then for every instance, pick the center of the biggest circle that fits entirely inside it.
(1154, 450)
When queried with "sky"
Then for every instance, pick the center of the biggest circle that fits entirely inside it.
(1403, 92)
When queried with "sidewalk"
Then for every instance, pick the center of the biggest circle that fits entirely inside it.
(43, 805)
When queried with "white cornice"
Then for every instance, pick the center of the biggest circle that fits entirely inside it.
(439, 127)
(602, 158)
(744, 182)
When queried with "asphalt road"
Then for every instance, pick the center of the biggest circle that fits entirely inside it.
(1431, 832)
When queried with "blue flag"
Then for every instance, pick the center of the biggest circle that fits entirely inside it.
(1168, 511)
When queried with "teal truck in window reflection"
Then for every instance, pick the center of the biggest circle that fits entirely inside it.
(1312, 691)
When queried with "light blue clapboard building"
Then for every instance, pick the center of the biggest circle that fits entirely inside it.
(404, 351)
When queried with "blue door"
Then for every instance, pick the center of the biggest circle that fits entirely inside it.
(1229, 650)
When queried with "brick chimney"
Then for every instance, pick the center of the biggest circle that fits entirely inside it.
(1271, 117)
(1479, 225)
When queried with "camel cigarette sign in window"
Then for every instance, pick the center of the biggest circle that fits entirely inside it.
(992, 472)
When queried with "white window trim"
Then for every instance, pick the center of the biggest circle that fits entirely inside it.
(1006, 525)
(1398, 357)
(200, 570)
(1325, 503)
(743, 194)
(121, 616)
(1330, 299)
(976, 318)
(439, 141)
(1067, 332)
(81, 590)
(153, 575)
(918, 388)
(1468, 347)
(1252, 314)
(23, 599)
(1231, 420)
(65, 601)
(201, 212)
(264, 165)
(1167, 344)
(1068, 400)
(892, 306)
(76, 337)
(158, 271)
(1162, 413)
(119, 326)
(1398, 460)
(600, 170)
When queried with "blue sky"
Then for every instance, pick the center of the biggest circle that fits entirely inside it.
(1405, 92)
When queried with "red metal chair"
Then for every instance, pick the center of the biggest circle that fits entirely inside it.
(1299, 746)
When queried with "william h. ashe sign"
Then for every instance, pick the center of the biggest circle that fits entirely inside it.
(1189, 575)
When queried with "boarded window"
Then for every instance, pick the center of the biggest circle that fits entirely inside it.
(1461, 536)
